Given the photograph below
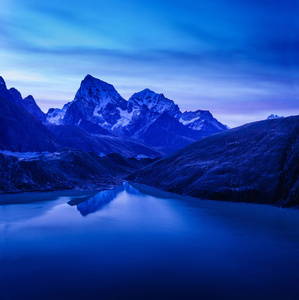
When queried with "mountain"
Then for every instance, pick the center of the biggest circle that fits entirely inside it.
(99, 103)
(167, 134)
(95, 101)
(155, 102)
(201, 120)
(31, 106)
(272, 116)
(21, 131)
(4, 91)
(256, 163)
(28, 103)
(64, 170)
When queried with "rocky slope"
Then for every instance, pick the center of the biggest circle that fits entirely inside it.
(21, 131)
(257, 162)
(64, 170)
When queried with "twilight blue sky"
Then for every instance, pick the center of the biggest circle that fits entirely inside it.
(237, 58)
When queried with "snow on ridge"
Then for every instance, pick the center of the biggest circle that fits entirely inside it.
(195, 126)
(154, 101)
(56, 116)
(23, 155)
(100, 103)
(125, 118)
(141, 156)
(186, 122)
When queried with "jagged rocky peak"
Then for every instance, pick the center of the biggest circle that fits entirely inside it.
(201, 120)
(12, 93)
(3, 89)
(95, 101)
(2, 82)
(16, 96)
(191, 115)
(15, 93)
(96, 91)
(30, 105)
(155, 102)
(30, 99)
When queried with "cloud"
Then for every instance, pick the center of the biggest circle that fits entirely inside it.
(225, 55)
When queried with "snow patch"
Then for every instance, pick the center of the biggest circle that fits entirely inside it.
(56, 116)
(140, 156)
(125, 118)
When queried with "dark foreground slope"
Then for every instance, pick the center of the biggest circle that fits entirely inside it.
(258, 163)
(65, 170)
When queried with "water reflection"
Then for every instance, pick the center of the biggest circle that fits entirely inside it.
(138, 246)
(101, 199)
(98, 201)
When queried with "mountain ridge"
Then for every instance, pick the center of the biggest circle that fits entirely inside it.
(256, 162)
(22, 131)
(99, 102)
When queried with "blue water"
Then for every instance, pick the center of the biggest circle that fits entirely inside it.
(127, 244)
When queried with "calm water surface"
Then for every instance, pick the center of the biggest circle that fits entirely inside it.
(127, 244)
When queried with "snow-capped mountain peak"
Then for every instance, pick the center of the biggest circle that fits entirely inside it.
(96, 101)
(201, 120)
(272, 116)
(155, 102)
(93, 90)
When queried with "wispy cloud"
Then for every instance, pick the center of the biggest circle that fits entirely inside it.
(233, 57)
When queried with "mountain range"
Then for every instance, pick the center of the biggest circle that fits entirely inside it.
(100, 139)
(100, 120)
(98, 103)
(93, 142)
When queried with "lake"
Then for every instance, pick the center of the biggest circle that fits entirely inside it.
(138, 243)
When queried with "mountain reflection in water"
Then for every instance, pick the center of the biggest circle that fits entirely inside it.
(101, 199)
(140, 243)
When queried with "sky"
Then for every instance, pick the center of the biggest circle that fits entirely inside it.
(237, 58)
